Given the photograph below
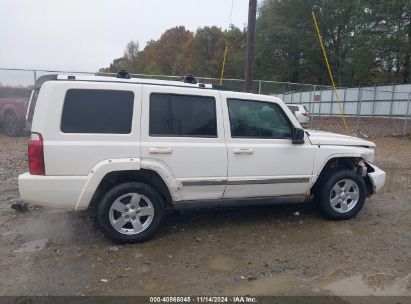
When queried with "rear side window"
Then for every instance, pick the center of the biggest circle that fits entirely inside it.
(182, 115)
(97, 111)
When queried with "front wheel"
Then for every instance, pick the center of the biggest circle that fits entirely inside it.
(130, 213)
(342, 194)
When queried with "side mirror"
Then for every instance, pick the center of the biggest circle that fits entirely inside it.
(298, 136)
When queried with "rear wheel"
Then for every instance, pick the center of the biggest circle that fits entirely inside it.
(341, 194)
(12, 126)
(130, 213)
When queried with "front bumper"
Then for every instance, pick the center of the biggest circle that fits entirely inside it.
(377, 178)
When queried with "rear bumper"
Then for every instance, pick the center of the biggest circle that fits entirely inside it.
(377, 178)
(52, 191)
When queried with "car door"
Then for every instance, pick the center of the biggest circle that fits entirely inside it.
(262, 160)
(182, 131)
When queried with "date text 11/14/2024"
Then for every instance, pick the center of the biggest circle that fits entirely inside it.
(204, 299)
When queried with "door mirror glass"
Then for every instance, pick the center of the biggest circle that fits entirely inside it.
(298, 136)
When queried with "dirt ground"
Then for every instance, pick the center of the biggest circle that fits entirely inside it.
(368, 126)
(265, 250)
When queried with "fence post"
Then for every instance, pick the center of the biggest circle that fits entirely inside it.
(359, 104)
(320, 102)
(407, 114)
(392, 99)
(343, 106)
(374, 96)
(35, 76)
(332, 101)
(259, 87)
(309, 108)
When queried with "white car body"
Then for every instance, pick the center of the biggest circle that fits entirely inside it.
(300, 112)
(192, 168)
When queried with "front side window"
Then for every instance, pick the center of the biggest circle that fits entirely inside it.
(182, 115)
(97, 111)
(257, 119)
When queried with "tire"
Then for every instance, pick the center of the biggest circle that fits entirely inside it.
(12, 126)
(130, 213)
(337, 205)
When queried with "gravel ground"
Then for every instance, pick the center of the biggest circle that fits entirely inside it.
(368, 127)
(265, 250)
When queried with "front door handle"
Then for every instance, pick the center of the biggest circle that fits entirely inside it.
(243, 151)
(160, 150)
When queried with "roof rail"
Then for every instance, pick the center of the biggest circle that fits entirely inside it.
(124, 76)
(42, 79)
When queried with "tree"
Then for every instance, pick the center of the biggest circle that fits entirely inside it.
(387, 25)
(131, 56)
(235, 40)
(170, 53)
(129, 61)
(367, 42)
(284, 34)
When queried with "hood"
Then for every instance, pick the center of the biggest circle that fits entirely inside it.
(328, 138)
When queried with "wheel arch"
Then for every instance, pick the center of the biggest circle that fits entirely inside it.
(146, 176)
(344, 162)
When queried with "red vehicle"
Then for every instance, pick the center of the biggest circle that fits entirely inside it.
(13, 114)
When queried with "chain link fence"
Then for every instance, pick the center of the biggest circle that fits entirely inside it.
(369, 111)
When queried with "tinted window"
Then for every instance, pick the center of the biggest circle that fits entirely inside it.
(97, 111)
(182, 115)
(256, 119)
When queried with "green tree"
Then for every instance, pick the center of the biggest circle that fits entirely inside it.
(208, 51)
(236, 40)
(387, 26)
(284, 33)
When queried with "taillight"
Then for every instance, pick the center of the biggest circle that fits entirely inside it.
(36, 154)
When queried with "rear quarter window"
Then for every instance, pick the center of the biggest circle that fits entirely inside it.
(175, 115)
(97, 111)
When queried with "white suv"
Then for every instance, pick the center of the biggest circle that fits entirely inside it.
(130, 148)
(300, 112)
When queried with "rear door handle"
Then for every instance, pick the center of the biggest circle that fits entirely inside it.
(160, 150)
(243, 151)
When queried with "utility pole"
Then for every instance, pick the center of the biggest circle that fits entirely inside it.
(252, 13)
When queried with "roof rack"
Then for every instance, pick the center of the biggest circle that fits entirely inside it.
(124, 77)
(123, 74)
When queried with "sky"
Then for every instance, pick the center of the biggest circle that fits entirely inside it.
(85, 35)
